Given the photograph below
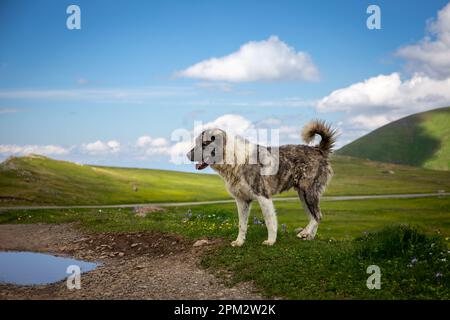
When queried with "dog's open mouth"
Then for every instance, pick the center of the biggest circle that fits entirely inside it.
(201, 165)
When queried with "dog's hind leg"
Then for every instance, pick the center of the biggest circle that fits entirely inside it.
(310, 202)
(243, 211)
(270, 218)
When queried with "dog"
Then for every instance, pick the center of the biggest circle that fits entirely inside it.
(248, 172)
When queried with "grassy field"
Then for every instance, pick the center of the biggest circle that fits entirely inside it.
(37, 180)
(422, 139)
(407, 238)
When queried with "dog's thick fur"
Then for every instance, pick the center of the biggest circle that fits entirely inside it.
(304, 168)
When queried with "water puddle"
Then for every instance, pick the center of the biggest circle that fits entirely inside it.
(31, 268)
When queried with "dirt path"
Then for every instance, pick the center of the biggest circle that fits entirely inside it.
(199, 203)
(138, 265)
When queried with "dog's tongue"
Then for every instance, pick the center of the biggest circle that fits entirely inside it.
(200, 166)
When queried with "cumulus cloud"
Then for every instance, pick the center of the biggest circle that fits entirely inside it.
(431, 55)
(153, 146)
(50, 150)
(99, 147)
(389, 92)
(179, 150)
(369, 122)
(147, 141)
(231, 123)
(378, 100)
(267, 60)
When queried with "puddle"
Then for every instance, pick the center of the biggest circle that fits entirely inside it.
(31, 268)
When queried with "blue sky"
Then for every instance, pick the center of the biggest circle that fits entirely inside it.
(88, 95)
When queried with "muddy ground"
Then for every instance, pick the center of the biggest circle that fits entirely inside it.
(137, 265)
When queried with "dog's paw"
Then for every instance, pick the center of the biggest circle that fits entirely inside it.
(268, 242)
(305, 236)
(237, 243)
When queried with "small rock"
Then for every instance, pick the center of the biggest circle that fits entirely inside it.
(134, 245)
(121, 254)
(201, 242)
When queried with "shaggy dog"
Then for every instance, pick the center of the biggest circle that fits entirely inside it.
(255, 172)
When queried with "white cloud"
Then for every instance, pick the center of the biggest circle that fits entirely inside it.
(143, 141)
(147, 141)
(99, 147)
(12, 149)
(431, 55)
(178, 152)
(159, 142)
(158, 151)
(378, 100)
(153, 146)
(231, 123)
(369, 122)
(389, 92)
(267, 60)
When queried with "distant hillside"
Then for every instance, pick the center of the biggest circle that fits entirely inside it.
(422, 140)
(40, 180)
(37, 179)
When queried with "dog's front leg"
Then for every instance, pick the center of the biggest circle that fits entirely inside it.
(270, 218)
(243, 211)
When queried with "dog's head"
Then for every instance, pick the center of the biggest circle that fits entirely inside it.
(209, 149)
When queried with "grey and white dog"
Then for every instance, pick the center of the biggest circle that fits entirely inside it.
(247, 170)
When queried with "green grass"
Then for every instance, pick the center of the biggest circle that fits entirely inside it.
(43, 181)
(407, 238)
(413, 265)
(421, 139)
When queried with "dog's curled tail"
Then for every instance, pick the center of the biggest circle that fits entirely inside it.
(324, 130)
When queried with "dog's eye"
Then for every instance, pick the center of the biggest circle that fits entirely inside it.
(213, 138)
(213, 153)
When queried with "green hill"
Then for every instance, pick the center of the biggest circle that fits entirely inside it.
(422, 140)
(43, 181)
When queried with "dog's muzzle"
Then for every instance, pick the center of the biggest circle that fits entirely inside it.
(200, 165)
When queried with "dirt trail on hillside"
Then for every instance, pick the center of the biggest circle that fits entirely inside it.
(137, 265)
